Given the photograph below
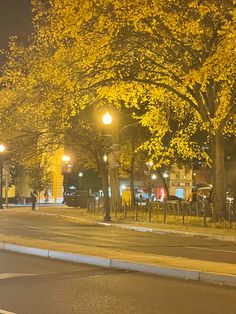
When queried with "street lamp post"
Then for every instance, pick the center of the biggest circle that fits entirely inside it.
(107, 120)
(149, 178)
(65, 169)
(2, 150)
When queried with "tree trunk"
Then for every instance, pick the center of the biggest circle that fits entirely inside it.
(115, 188)
(132, 188)
(164, 183)
(132, 182)
(219, 178)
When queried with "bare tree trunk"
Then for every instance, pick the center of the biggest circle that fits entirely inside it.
(115, 188)
(132, 182)
(219, 177)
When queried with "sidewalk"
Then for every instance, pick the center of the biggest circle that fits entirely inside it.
(208, 271)
(80, 214)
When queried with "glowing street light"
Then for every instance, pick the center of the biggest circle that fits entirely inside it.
(107, 118)
(150, 163)
(66, 158)
(154, 176)
(80, 174)
(2, 148)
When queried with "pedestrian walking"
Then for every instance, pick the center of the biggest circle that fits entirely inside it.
(33, 198)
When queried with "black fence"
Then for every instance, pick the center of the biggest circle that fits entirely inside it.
(79, 200)
(164, 212)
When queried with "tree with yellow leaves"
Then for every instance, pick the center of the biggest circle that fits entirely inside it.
(172, 59)
(177, 56)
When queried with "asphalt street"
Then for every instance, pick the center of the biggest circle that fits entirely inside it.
(34, 285)
(54, 228)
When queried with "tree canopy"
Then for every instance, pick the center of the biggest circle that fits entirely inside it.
(174, 61)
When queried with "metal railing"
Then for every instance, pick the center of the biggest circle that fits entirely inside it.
(172, 212)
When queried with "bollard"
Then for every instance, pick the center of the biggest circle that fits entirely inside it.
(136, 212)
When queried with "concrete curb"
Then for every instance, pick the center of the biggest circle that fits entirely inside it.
(78, 258)
(25, 249)
(166, 271)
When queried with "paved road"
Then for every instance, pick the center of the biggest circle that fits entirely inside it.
(56, 229)
(33, 285)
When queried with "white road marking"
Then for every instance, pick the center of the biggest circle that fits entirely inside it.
(209, 249)
(5, 312)
(13, 275)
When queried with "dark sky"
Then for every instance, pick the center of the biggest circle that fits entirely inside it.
(15, 19)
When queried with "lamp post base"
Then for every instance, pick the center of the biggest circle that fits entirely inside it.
(106, 218)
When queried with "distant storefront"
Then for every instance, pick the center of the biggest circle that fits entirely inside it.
(180, 182)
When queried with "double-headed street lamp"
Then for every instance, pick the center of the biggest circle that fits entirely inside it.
(107, 120)
(2, 150)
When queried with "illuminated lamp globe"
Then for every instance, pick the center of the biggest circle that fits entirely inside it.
(2, 148)
(107, 118)
(66, 158)
(154, 176)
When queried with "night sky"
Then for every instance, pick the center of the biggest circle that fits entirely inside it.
(15, 19)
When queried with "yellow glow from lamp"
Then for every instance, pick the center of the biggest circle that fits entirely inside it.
(107, 118)
(65, 158)
(2, 148)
